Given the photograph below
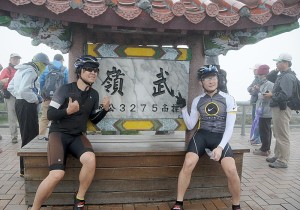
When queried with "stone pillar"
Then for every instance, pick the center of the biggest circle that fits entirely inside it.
(79, 39)
(196, 46)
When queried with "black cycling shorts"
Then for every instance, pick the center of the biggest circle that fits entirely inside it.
(60, 145)
(205, 139)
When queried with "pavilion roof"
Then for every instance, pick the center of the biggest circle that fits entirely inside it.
(166, 14)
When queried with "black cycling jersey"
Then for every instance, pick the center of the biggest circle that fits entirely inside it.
(74, 124)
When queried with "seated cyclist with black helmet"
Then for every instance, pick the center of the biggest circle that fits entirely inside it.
(216, 112)
(70, 109)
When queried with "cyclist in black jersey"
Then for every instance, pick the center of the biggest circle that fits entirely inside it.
(70, 109)
(216, 112)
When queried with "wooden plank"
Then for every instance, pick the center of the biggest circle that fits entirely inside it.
(127, 197)
(132, 144)
(129, 173)
(133, 185)
(124, 149)
(126, 161)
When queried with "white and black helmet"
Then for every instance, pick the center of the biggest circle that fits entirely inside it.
(85, 60)
(204, 71)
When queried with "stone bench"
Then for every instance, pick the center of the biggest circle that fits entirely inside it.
(130, 169)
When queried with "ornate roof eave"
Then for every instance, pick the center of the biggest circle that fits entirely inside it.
(198, 15)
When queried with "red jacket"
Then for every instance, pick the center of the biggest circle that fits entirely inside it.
(8, 72)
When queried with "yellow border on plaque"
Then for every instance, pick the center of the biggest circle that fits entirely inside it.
(138, 125)
(139, 52)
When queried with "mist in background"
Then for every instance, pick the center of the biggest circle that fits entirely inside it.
(236, 63)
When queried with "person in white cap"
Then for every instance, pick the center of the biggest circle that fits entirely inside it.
(10, 100)
(281, 113)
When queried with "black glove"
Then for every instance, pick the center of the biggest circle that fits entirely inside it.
(181, 102)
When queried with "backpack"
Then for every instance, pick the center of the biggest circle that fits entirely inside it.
(54, 79)
(294, 102)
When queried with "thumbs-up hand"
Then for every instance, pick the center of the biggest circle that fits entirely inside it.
(105, 103)
(73, 106)
(181, 102)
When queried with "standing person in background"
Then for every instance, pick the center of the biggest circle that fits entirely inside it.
(263, 106)
(9, 99)
(47, 86)
(25, 87)
(253, 89)
(281, 113)
(2, 83)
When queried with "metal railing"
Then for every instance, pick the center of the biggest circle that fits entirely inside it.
(244, 114)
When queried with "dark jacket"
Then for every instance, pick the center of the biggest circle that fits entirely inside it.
(283, 89)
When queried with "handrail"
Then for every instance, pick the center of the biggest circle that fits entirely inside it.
(244, 104)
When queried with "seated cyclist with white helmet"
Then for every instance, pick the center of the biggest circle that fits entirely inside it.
(70, 109)
(216, 112)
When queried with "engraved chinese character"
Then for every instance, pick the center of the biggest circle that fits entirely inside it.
(161, 84)
(114, 81)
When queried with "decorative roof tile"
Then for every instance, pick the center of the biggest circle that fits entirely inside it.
(226, 12)
(58, 6)
(94, 8)
(260, 16)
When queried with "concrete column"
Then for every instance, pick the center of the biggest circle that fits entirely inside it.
(79, 39)
(196, 45)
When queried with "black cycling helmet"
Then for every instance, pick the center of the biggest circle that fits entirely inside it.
(85, 61)
(204, 71)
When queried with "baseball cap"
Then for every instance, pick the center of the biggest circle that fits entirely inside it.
(15, 55)
(256, 66)
(263, 70)
(283, 57)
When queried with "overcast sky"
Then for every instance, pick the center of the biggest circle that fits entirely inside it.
(236, 63)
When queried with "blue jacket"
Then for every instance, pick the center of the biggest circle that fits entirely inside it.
(57, 65)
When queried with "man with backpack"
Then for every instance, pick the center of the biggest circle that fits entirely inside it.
(281, 113)
(10, 100)
(54, 76)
